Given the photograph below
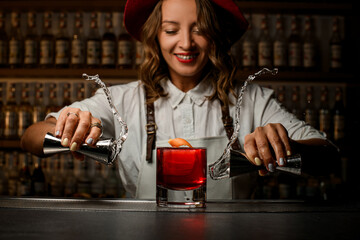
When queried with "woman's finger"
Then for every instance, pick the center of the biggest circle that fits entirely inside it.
(81, 130)
(251, 150)
(263, 147)
(95, 132)
(60, 123)
(71, 123)
(276, 143)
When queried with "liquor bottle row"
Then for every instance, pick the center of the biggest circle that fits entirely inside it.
(22, 104)
(22, 174)
(57, 48)
(106, 43)
(313, 106)
(291, 47)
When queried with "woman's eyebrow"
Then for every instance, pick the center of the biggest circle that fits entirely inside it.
(171, 22)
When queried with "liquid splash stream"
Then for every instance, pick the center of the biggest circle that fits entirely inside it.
(221, 168)
(124, 129)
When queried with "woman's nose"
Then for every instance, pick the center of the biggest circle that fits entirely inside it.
(186, 40)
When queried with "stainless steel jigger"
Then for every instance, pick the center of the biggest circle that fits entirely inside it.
(104, 152)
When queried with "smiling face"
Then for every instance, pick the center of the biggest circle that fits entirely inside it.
(183, 47)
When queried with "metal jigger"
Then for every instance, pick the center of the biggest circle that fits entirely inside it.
(236, 163)
(104, 152)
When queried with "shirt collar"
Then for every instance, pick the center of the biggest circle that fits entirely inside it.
(198, 94)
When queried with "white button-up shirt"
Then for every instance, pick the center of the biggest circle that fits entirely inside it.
(186, 115)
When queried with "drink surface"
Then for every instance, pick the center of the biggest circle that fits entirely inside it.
(181, 168)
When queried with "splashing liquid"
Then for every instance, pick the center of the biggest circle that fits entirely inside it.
(221, 168)
(117, 145)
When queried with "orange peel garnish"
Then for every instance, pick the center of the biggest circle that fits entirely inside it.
(178, 142)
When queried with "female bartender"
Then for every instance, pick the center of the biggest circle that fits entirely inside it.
(187, 90)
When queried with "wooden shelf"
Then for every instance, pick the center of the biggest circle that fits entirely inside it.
(118, 5)
(132, 74)
(10, 144)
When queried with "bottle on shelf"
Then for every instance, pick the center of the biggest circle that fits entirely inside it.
(3, 175)
(11, 113)
(339, 118)
(25, 110)
(295, 107)
(39, 110)
(66, 100)
(310, 111)
(108, 43)
(310, 46)
(57, 181)
(2, 111)
(46, 56)
(15, 42)
(98, 182)
(125, 49)
(53, 105)
(325, 113)
(70, 179)
(78, 43)
(265, 45)
(62, 43)
(139, 55)
(93, 43)
(83, 181)
(112, 183)
(280, 95)
(248, 48)
(336, 47)
(24, 181)
(3, 41)
(280, 45)
(295, 46)
(38, 184)
(31, 42)
(13, 172)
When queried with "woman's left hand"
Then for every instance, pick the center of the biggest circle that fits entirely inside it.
(268, 145)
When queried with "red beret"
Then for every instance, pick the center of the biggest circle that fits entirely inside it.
(137, 11)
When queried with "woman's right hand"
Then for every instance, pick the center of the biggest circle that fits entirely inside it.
(76, 127)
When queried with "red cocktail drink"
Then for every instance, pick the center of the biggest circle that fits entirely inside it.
(181, 169)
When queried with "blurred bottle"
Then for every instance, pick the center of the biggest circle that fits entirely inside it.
(2, 111)
(15, 42)
(139, 57)
(24, 181)
(336, 47)
(11, 114)
(38, 184)
(249, 48)
(98, 182)
(339, 118)
(3, 175)
(310, 46)
(25, 110)
(39, 110)
(77, 43)
(13, 172)
(295, 107)
(62, 43)
(280, 95)
(310, 111)
(265, 45)
(57, 181)
(112, 183)
(280, 44)
(125, 49)
(3, 41)
(83, 181)
(325, 113)
(108, 43)
(66, 100)
(31, 47)
(46, 56)
(53, 105)
(93, 43)
(70, 179)
(295, 46)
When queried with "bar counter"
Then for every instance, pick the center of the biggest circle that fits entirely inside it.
(49, 218)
